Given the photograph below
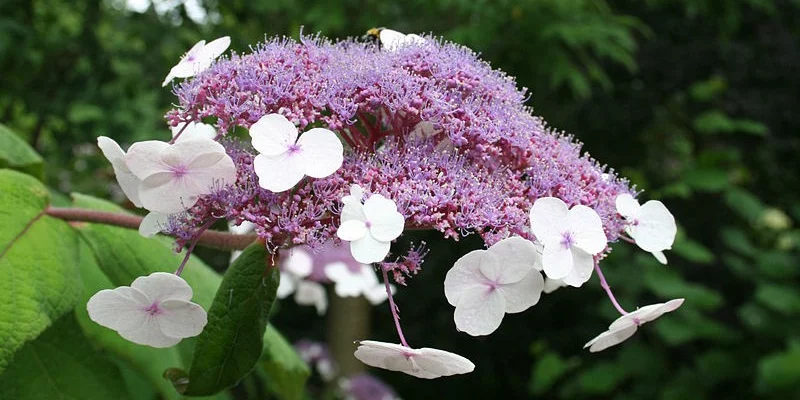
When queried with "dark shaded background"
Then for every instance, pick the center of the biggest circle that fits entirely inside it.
(695, 101)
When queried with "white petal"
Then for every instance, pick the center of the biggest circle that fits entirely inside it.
(481, 312)
(279, 174)
(353, 211)
(215, 48)
(587, 229)
(150, 334)
(355, 196)
(656, 228)
(298, 262)
(163, 193)
(660, 257)
(153, 223)
(650, 313)
(436, 363)
(181, 319)
(349, 283)
(312, 293)
(516, 257)
(627, 206)
(557, 261)
(548, 216)
(387, 223)
(610, 338)
(322, 151)
(162, 286)
(128, 182)
(111, 149)
(465, 277)
(391, 39)
(118, 309)
(242, 229)
(369, 250)
(377, 294)
(524, 294)
(582, 267)
(393, 357)
(272, 135)
(338, 271)
(551, 285)
(351, 230)
(195, 130)
(144, 158)
(287, 285)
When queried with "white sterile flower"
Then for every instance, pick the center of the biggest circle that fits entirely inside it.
(194, 130)
(422, 363)
(153, 223)
(570, 238)
(392, 40)
(311, 294)
(551, 285)
(284, 159)
(298, 265)
(173, 176)
(351, 283)
(370, 227)
(155, 310)
(126, 179)
(356, 195)
(198, 59)
(484, 285)
(625, 326)
(651, 225)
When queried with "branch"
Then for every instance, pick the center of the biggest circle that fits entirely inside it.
(214, 239)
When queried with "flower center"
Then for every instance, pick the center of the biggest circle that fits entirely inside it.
(294, 148)
(368, 224)
(179, 171)
(153, 309)
(567, 241)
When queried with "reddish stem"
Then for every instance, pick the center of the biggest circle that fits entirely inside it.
(395, 310)
(607, 288)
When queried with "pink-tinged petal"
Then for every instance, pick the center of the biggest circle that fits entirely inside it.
(194, 130)
(184, 68)
(298, 262)
(214, 48)
(627, 206)
(652, 312)
(194, 153)
(481, 312)
(164, 193)
(128, 182)
(353, 210)
(386, 224)
(349, 283)
(548, 216)
(610, 338)
(181, 319)
(323, 152)
(393, 357)
(582, 267)
(587, 229)
(351, 230)
(111, 149)
(466, 277)
(162, 286)
(656, 228)
(272, 135)
(523, 294)
(557, 261)
(660, 257)
(437, 363)
(516, 257)
(118, 309)
(312, 294)
(218, 174)
(144, 158)
(149, 334)
(279, 174)
(369, 250)
(153, 223)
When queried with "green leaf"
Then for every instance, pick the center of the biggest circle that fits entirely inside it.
(668, 284)
(62, 364)
(39, 279)
(232, 341)
(780, 370)
(692, 251)
(602, 378)
(706, 179)
(744, 203)
(18, 155)
(781, 298)
(286, 372)
(549, 369)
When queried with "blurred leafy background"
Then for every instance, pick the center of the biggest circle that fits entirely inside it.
(694, 100)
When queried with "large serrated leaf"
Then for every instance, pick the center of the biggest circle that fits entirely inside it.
(18, 155)
(62, 364)
(39, 279)
(232, 341)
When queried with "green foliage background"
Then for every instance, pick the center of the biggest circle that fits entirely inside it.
(694, 100)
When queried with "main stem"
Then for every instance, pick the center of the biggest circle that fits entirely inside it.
(215, 239)
(191, 246)
(395, 313)
(607, 288)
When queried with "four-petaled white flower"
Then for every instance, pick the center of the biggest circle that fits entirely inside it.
(484, 285)
(198, 59)
(625, 326)
(571, 237)
(173, 176)
(297, 266)
(284, 159)
(392, 40)
(351, 283)
(194, 130)
(651, 225)
(155, 310)
(370, 227)
(422, 363)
